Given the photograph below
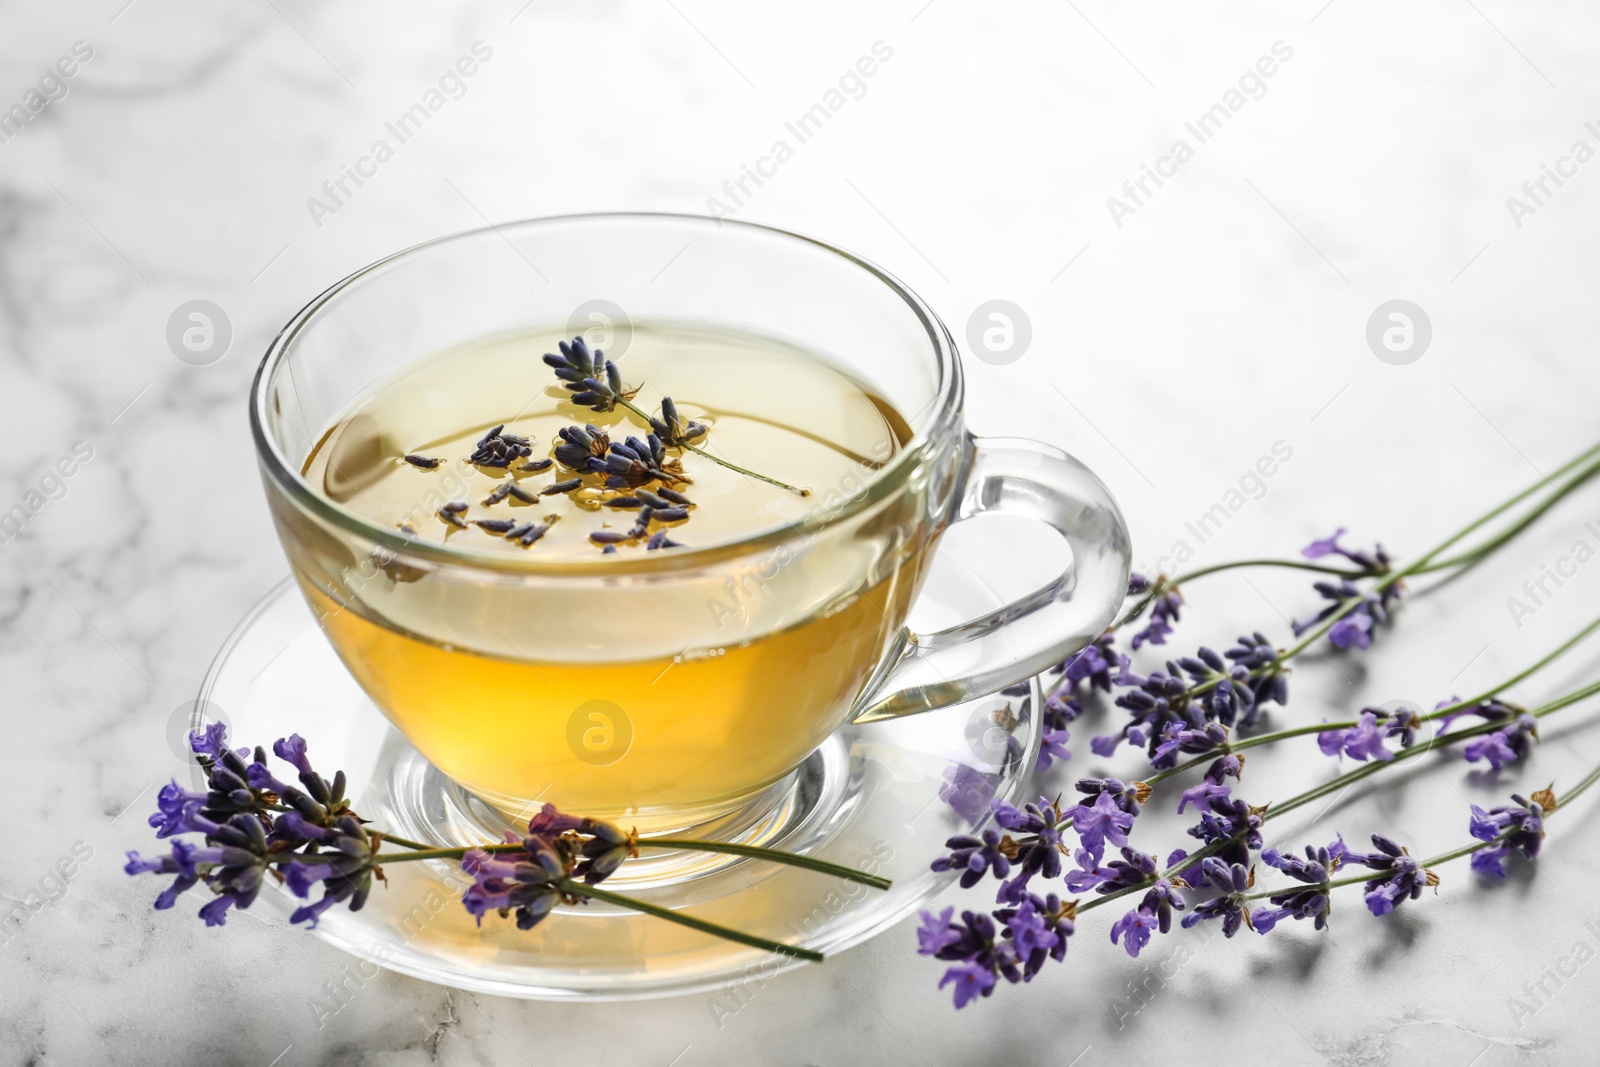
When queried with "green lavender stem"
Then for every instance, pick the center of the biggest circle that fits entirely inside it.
(1586, 463)
(697, 450)
(1434, 861)
(1500, 539)
(423, 852)
(1423, 563)
(791, 859)
(778, 947)
(404, 842)
(1336, 784)
(1300, 731)
(1275, 810)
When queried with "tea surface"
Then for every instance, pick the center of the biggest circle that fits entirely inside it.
(770, 408)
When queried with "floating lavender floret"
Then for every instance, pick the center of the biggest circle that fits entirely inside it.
(499, 449)
(674, 430)
(594, 381)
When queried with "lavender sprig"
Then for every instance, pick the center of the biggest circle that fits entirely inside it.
(252, 825)
(595, 382)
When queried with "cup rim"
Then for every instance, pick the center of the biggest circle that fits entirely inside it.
(287, 477)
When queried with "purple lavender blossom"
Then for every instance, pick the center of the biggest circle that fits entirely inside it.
(1519, 825)
(1134, 929)
(524, 882)
(1038, 929)
(974, 857)
(1164, 611)
(1176, 739)
(1505, 745)
(972, 980)
(345, 868)
(1232, 880)
(1134, 869)
(1403, 878)
(1376, 561)
(977, 956)
(1363, 741)
(1093, 664)
(1162, 900)
(1104, 820)
(230, 863)
(935, 932)
(1262, 663)
(1310, 903)
(1354, 629)
(1058, 712)
(1037, 853)
(1232, 825)
(967, 790)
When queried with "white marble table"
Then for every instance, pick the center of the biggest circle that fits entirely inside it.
(1175, 339)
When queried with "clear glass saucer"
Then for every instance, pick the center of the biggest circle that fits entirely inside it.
(881, 797)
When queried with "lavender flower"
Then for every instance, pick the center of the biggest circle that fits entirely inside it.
(499, 449)
(1505, 745)
(1164, 610)
(1176, 739)
(1161, 901)
(581, 448)
(1038, 930)
(674, 430)
(1519, 825)
(594, 381)
(1134, 929)
(1264, 672)
(1092, 664)
(1214, 783)
(1311, 903)
(935, 932)
(607, 846)
(967, 790)
(345, 869)
(1376, 562)
(1154, 701)
(1102, 821)
(1361, 742)
(231, 863)
(1354, 629)
(1037, 853)
(974, 857)
(1232, 880)
(633, 463)
(1403, 878)
(1232, 697)
(1231, 824)
(978, 957)
(525, 882)
(1134, 869)
(1058, 712)
(1089, 874)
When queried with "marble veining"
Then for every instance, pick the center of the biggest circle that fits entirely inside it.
(1225, 316)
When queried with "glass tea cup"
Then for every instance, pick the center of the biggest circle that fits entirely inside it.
(669, 689)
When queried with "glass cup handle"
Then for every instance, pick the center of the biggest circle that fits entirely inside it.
(1016, 476)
